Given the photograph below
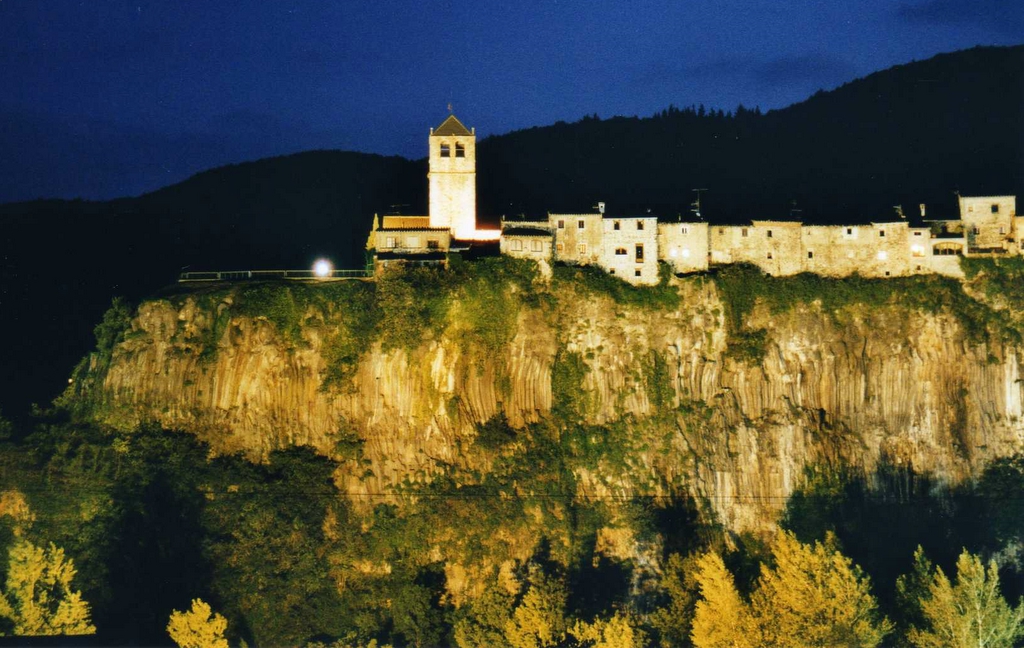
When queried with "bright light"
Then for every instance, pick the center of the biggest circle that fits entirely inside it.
(672, 252)
(323, 268)
(686, 253)
(917, 250)
(883, 255)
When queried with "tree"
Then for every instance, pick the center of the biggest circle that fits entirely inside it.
(971, 613)
(617, 632)
(815, 596)
(539, 619)
(812, 596)
(200, 627)
(721, 618)
(38, 599)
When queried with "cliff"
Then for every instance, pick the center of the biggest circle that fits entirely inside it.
(719, 387)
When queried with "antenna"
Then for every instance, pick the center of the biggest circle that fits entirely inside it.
(696, 203)
(899, 211)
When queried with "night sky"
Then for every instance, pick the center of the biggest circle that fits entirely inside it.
(105, 98)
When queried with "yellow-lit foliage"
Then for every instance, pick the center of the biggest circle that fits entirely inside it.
(616, 632)
(38, 599)
(971, 613)
(539, 619)
(812, 596)
(721, 618)
(14, 505)
(200, 627)
(815, 596)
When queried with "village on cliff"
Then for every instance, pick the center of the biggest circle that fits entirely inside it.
(630, 247)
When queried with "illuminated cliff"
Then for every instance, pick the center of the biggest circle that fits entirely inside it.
(721, 387)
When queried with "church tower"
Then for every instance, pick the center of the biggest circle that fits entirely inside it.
(452, 178)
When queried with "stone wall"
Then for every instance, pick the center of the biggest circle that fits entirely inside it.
(630, 248)
(578, 237)
(452, 185)
(988, 221)
(684, 246)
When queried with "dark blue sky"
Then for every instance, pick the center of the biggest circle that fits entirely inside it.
(104, 98)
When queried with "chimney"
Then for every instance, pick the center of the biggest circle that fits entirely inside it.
(922, 209)
(600, 207)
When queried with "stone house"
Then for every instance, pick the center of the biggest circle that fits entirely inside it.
(684, 246)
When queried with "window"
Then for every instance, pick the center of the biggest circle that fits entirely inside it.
(638, 273)
(561, 224)
(917, 233)
(537, 246)
(413, 241)
(1002, 230)
(721, 230)
(446, 150)
(559, 247)
(849, 231)
(639, 224)
(460, 150)
(995, 208)
(639, 252)
(886, 273)
(883, 255)
(583, 248)
(581, 224)
(620, 251)
(392, 242)
(769, 255)
(611, 270)
(769, 233)
(743, 232)
(975, 231)
(810, 254)
(685, 230)
(433, 244)
(615, 225)
(881, 233)
(517, 245)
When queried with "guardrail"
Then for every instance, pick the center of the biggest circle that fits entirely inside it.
(245, 275)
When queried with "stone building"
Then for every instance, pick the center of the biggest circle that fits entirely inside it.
(527, 240)
(989, 223)
(684, 246)
(452, 178)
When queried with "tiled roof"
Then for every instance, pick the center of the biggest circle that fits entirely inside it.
(451, 126)
(525, 231)
(403, 222)
(412, 256)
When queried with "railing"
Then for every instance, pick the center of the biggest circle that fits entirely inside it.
(244, 275)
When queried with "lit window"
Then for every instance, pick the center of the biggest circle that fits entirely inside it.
(561, 224)
(639, 224)
(446, 150)
(917, 250)
(460, 150)
(615, 225)
(581, 224)
(639, 252)
(882, 255)
(391, 242)
(620, 251)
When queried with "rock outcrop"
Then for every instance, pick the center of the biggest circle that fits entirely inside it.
(858, 385)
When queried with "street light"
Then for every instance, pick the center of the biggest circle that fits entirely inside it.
(322, 268)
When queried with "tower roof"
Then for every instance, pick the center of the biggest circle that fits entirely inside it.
(451, 126)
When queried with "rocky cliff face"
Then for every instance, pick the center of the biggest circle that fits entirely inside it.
(854, 383)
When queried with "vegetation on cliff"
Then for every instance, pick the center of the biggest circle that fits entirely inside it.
(569, 530)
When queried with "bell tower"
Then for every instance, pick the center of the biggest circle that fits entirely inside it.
(452, 178)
